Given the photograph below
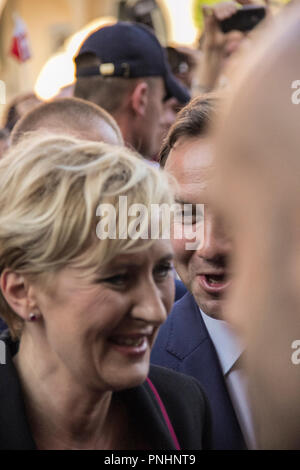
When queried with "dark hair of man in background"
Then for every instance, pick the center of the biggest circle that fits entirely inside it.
(18, 107)
(193, 120)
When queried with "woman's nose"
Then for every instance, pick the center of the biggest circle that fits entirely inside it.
(149, 305)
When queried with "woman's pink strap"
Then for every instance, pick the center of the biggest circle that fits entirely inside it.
(165, 414)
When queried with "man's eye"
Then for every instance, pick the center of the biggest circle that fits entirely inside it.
(189, 216)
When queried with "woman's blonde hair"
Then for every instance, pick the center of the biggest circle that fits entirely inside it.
(51, 187)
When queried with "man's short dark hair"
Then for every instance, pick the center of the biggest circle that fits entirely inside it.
(72, 114)
(193, 120)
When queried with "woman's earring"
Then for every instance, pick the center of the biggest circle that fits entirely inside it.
(32, 317)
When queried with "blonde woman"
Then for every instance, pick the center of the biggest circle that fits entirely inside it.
(83, 309)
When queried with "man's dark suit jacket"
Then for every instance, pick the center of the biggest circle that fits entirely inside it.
(2, 325)
(184, 345)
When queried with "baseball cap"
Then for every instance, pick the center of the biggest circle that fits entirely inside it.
(130, 50)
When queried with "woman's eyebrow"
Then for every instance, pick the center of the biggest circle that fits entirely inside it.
(136, 264)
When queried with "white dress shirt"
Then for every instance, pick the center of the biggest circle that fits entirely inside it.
(229, 349)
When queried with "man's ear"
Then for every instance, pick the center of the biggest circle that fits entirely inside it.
(17, 293)
(139, 98)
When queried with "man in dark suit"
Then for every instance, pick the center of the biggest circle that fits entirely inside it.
(195, 339)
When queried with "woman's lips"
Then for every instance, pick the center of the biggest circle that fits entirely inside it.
(213, 283)
(130, 345)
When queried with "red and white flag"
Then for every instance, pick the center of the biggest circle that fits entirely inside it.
(20, 48)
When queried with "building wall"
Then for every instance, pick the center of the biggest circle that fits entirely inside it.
(49, 23)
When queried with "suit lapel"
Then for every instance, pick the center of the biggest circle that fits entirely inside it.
(197, 355)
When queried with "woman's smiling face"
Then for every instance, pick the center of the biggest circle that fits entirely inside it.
(102, 332)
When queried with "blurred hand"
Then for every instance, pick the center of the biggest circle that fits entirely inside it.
(217, 46)
(214, 39)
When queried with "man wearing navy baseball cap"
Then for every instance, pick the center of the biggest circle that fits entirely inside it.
(124, 69)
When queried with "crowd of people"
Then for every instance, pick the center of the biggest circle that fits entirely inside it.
(118, 337)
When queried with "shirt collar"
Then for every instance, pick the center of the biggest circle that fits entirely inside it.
(226, 343)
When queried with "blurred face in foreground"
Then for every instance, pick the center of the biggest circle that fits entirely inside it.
(4, 144)
(203, 270)
(259, 172)
(101, 332)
